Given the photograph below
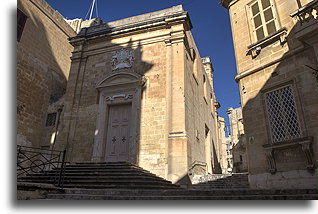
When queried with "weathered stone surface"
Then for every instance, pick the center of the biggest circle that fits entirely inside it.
(43, 62)
(156, 68)
(295, 179)
(283, 58)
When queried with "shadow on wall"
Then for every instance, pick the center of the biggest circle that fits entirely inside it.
(101, 120)
(216, 166)
(41, 80)
(239, 155)
(280, 118)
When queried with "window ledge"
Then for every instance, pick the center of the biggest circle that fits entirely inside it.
(288, 143)
(281, 33)
(305, 143)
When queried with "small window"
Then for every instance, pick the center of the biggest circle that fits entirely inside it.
(282, 115)
(21, 20)
(263, 18)
(50, 119)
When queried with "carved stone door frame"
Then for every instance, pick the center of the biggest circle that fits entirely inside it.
(115, 89)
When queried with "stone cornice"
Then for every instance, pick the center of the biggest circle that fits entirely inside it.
(123, 27)
(254, 70)
(228, 3)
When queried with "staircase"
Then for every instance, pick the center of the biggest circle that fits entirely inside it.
(234, 181)
(182, 194)
(124, 181)
(117, 175)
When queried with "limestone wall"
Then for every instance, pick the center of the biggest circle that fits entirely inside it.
(200, 127)
(238, 140)
(283, 58)
(43, 62)
(171, 99)
(294, 179)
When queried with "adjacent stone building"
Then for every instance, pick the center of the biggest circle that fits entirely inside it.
(237, 139)
(43, 64)
(220, 147)
(138, 91)
(275, 45)
(229, 155)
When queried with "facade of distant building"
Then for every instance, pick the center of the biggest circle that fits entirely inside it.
(238, 142)
(229, 155)
(139, 92)
(220, 155)
(275, 45)
(43, 63)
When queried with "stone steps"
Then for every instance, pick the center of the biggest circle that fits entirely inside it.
(123, 186)
(105, 183)
(179, 194)
(101, 175)
(123, 181)
(213, 192)
(94, 174)
(94, 177)
(223, 182)
(188, 197)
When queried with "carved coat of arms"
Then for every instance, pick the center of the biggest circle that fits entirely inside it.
(123, 58)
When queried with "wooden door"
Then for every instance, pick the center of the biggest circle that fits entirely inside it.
(117, 144)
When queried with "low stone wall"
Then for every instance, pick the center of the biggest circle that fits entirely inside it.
(196, 179)
(29, 191)
(296, 179)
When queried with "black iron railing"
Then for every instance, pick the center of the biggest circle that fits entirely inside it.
(35, 161)
(307, 13)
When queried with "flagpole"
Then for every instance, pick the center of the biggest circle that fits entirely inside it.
(90, 16)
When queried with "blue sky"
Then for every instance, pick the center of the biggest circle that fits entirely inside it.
(211, 31)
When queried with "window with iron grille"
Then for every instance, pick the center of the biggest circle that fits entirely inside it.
(282, 115)
(50, 119)
(263, 18)
(21, 19)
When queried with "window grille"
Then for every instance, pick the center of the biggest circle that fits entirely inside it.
(50, 120)
(282, 114)
(263, 18)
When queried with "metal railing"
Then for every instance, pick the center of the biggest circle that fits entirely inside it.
(34, 161)
(307, 13)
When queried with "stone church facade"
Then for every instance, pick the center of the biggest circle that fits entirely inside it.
(275, 45)
(138, 91)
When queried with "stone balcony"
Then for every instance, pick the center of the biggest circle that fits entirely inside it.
(306, 21)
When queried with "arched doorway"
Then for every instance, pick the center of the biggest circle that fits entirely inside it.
(118, 120)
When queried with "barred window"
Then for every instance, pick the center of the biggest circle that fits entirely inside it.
(263, 18)
(50, 119)
(282, 115)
